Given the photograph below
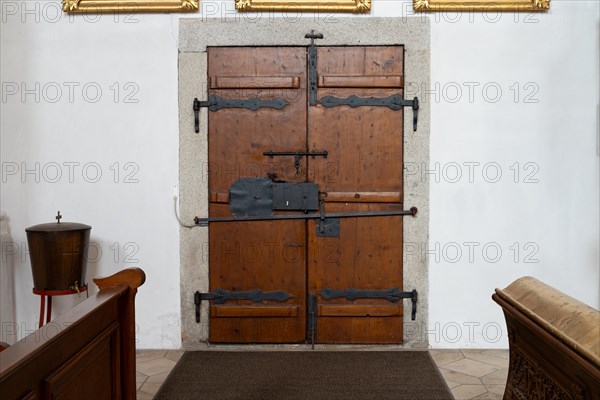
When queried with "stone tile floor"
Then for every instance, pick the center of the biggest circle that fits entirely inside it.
(470, 374)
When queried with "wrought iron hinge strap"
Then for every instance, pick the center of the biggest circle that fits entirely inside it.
(312, 67)
(394, 102)
(392, 294)
(222, 296)
(205, 221)
(216, 103)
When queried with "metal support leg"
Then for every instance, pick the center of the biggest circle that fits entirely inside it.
(42, 310)
(49, 310)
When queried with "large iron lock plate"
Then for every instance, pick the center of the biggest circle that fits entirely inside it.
(253, 197)
(295, 196)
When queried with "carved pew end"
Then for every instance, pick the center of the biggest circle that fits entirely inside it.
(554, 343)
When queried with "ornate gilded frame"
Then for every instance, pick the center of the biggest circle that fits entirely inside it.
(481, 5)
(356, 6)
(82, 6)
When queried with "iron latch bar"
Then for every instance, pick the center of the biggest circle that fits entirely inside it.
(205, 221)
(222, 296)
(392, 294)
(394, 102)
(312, 67)
(216, 103)
(297, 155)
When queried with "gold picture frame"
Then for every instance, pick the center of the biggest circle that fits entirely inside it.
(481, 5)
(355, 6)
(129, 6)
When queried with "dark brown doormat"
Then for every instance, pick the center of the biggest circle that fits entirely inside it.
(410, 375)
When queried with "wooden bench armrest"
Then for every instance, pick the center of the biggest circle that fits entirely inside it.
(88, 350)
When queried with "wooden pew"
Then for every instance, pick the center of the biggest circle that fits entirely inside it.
(88, 352)
(554, 343)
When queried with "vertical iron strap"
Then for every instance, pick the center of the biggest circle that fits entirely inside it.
(312, 67)
(312, 75)
(312, 318)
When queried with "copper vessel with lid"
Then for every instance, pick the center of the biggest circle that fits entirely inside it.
(58, 254)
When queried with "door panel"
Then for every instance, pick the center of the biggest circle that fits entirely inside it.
(263, 255)
(366, 256)
(361, 61)
(238, 137)
(363, 172)
(266, 256)
(364, 145)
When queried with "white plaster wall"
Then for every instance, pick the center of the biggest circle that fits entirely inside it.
(131, 213)
(554, 55)
(550, 208)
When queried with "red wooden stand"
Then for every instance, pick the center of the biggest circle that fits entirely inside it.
(49, 293)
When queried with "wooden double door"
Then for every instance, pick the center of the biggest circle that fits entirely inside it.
(362, 171)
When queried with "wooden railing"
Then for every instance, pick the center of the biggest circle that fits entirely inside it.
(88, 352)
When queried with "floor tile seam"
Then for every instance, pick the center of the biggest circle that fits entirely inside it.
(485, 362)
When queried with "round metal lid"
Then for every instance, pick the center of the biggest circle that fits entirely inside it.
(58, 226)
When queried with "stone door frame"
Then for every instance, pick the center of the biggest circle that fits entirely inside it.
(195, 35)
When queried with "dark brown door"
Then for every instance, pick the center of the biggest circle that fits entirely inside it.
(362, 172)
